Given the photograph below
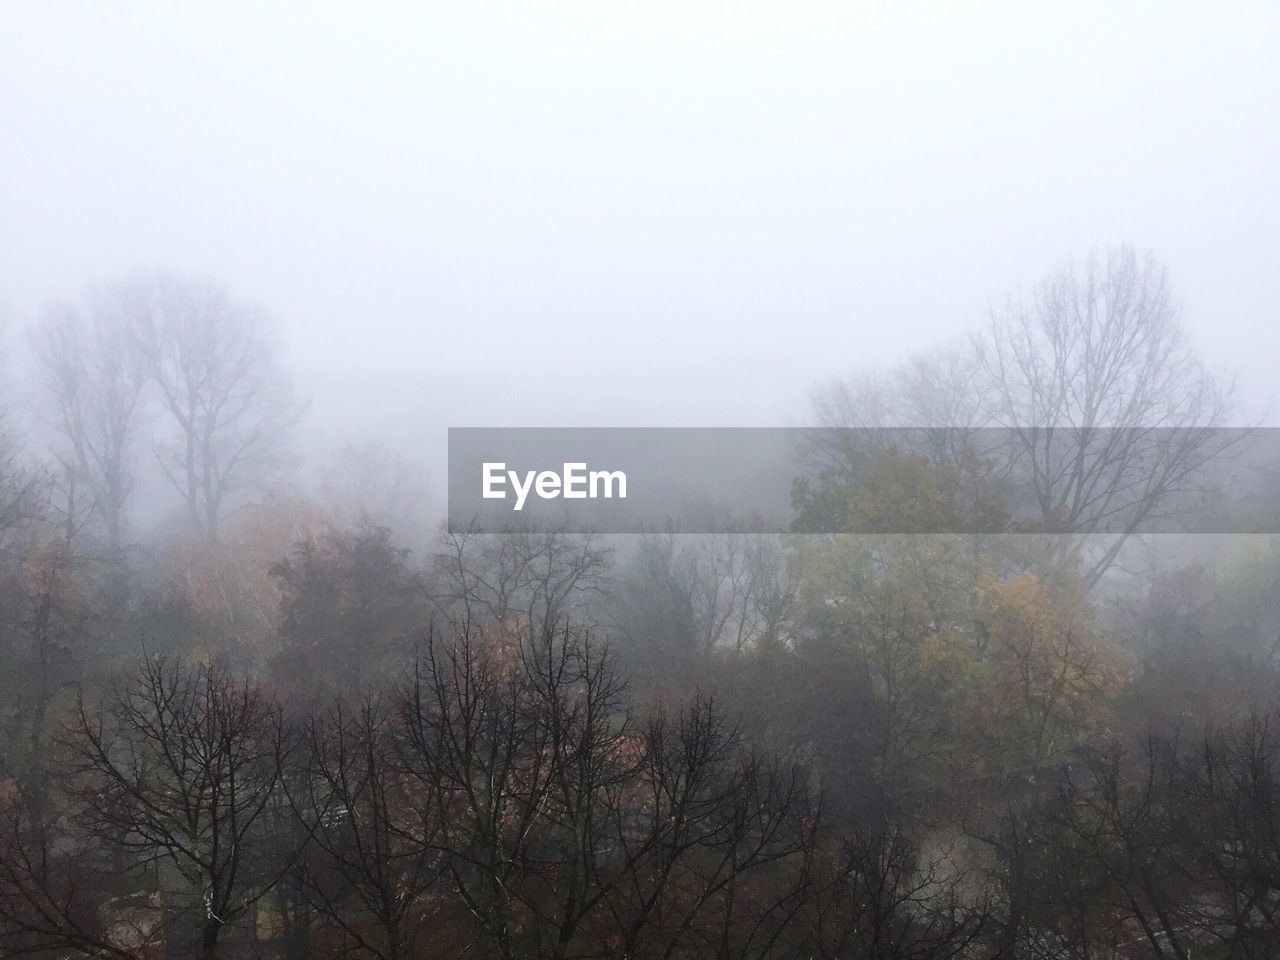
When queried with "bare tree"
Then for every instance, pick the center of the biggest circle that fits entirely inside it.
(932, 407)
(178, 776)
(940, 388)
(369, 483)
(1107, 414)
(51, 895)
(1108, 411)
(484, 760)
(717, 836)
(568, 832)
(376, 839)
(219, 380)
(534, 576)
(20, 489)
(685, 597)
(95, 379)
(742, 586)
(876, 896)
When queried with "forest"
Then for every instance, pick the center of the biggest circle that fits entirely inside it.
(255, 707)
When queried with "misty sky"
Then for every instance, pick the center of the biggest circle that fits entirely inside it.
(591, 214)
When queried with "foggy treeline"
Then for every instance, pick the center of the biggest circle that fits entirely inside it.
(283, 720)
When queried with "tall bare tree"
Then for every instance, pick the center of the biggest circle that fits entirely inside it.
(95, 380)
(1109, 411)
(220, 381)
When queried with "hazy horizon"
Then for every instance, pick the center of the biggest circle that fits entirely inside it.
(661, 216)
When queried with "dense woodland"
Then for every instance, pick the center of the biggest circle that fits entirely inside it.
(243, 714)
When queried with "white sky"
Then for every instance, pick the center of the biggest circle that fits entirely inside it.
(596, 213)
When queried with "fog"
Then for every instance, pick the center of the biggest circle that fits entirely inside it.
(654, 215)
(924, 606)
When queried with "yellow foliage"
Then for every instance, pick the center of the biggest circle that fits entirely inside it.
(228, 581)
(1051, 676)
